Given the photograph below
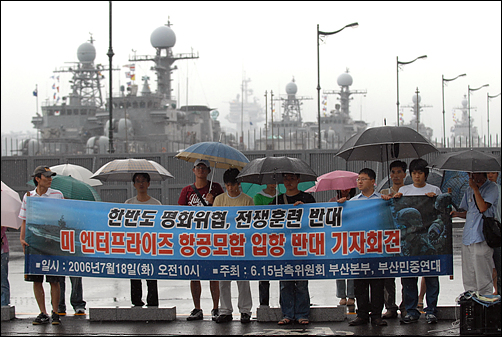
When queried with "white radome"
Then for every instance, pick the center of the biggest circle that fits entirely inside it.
(163, 37)
(86, 53)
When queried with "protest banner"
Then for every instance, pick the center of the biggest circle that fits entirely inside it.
(410, 236)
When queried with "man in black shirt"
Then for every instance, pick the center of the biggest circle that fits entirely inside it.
(294, 297)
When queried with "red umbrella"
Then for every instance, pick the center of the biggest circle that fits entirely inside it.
(336, 180)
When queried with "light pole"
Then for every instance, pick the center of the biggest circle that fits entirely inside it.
(442, 99)
(488, 113)
(319, 33)
(397, 74)
(469, 105)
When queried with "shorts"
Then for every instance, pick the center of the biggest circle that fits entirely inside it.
(40, 278)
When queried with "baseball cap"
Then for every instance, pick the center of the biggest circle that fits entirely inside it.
(44, 170)
(201, 161)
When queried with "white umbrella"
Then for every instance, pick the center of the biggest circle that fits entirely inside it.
(124, 169)
(11, 204)
(76, 171)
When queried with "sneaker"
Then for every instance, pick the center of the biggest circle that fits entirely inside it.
(245, 318)
(41, 319)
(78, 312)
(351, 301)
(214, 314)
(431, 318)
(224, 318)
(409, 319)
(55, 318)
(343, 301)
(195, 315)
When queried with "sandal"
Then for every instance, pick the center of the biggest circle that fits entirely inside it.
(285, 321)
(303, 321)
(420, 306)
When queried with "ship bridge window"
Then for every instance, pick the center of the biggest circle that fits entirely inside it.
(128, 104)
(50, 112)
(62, 112)
(149, 104)
(75, 112)
(142, 104)
(135, 105)
(83, 112)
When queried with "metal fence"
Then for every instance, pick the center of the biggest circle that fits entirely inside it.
(17, 170)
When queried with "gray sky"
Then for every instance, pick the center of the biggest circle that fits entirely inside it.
(268, 42)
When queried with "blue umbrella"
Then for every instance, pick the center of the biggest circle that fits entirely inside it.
(219, 155)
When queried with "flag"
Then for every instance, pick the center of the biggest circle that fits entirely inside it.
(54, 95)
(126, 66)
(250, 123)
(128, 75)
(132, 67)
(133, 77)
(35, 92)
(129, 84)
(58, 89)
(54, 86)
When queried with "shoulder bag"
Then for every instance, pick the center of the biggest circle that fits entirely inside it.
(491, 229)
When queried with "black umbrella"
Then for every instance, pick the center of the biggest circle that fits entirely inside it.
(269, 170)
(467, 161)
(384, 143)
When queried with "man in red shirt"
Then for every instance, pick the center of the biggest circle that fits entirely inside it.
(201, 193)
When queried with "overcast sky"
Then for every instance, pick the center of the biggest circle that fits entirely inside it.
(268, 42)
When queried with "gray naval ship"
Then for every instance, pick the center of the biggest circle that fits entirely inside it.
(337, 125)
(143, 121)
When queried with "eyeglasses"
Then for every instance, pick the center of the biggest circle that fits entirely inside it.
(362, 179)
(201, 168)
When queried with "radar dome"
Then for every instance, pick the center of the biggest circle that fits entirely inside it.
(291, 88)
(344, 80)
(163, 37)
(86, 53)
(414, 99)
(464, 103)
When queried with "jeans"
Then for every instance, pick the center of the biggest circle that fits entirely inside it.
(345, 288)
(5, 279)
(410, 290)
(77, 293)
(264, 291)
(295, 299)
(152, 298)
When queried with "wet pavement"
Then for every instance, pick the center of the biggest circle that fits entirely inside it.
(110, 293)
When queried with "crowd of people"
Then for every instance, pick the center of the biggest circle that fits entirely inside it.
(480, 263)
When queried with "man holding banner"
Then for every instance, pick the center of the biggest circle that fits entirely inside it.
(419, 172)
(368, 305)
(141, 183)
(42, 177)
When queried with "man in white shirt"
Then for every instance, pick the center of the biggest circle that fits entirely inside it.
(141, 184)
(42, 177)
(419, 173)
(369, 302)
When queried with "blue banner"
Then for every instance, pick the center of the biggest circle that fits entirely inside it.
(410, 236)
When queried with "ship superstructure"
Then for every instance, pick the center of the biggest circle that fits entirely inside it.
(143, 121)
(460, 129)
(338, 126)
(415, 122)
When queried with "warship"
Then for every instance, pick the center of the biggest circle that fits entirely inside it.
(337, 126)
(460, 130)
(415, 123)
(143, 121)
